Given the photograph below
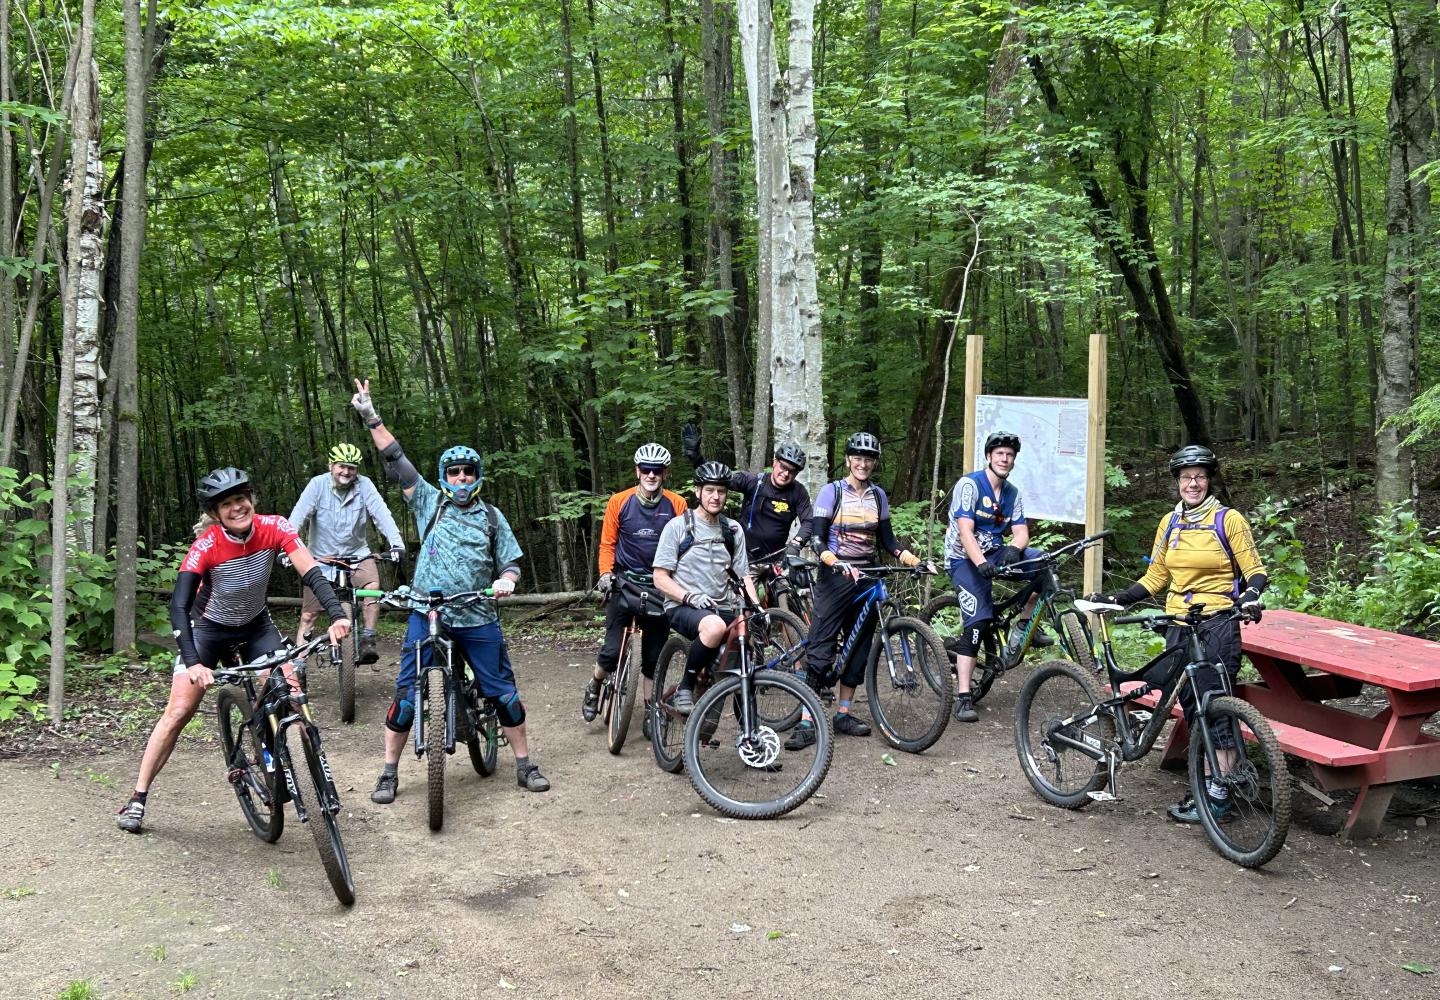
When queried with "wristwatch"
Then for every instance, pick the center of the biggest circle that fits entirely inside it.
(372, 424)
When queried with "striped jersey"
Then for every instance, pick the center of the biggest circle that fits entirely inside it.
(234, 573)
(854, 518)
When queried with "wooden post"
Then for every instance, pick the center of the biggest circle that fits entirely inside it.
(1095, 463)
(974, 368)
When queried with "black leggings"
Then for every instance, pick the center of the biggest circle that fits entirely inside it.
(654, 630)
(837, 605)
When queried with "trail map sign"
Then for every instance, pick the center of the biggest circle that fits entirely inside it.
(1050, 471)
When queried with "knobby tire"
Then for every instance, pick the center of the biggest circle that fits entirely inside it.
(323, 822)
(925, 680)
(667, 727)
(434, 747)
(1254, 830)
(627, 683)
(241, 749)
(1060, 775)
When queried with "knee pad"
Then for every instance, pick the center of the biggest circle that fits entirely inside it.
(967, 643)
(401, 714)
(508, 709)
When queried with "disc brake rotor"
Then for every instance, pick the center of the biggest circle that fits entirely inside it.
(759, 750)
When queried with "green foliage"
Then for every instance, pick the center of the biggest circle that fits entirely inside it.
(25, 596)
(79, 989)
(1396, 590)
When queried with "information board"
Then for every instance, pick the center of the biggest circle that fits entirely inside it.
(1050, 471)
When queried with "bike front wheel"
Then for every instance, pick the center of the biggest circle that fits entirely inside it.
(910, 687)
(627, 683)
(433, 713)
(322, 810)
(257, 787)
(742, 771)
(349, 655)
(1077, 641)
(1248, 820)
(667, 726)
(1059, 703)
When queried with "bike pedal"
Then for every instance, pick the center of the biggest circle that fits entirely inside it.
(1102, 796)
(235, 775)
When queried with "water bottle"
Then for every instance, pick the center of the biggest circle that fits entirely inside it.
(269, 763)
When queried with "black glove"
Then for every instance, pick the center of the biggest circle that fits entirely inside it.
(987, 570)
(690, 438)
(1121, 599)
(1009, 555)
(1250, 607)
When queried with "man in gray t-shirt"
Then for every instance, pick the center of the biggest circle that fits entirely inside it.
(691, 560)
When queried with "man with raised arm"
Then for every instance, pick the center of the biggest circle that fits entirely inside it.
(460, 550)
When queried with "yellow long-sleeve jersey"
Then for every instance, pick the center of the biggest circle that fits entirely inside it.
(1192, 563)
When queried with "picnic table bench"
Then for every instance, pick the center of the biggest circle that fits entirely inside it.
(1305, 661)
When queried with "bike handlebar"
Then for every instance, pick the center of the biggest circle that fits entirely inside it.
(1063, 552)
(1190, 618)
(281, 656)
(407, 598)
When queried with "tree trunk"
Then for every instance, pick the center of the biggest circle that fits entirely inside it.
(872, 241)
(1410, 123)
(85, 403)
(767, 129)
(7, 204)
(83, 115)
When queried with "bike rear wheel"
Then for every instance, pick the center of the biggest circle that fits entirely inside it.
(746, 775)
(432, 710)
(942, 613)
(1249, 828)
(627, 683)
(256, 787)
(349, 656)
(910, 689)
(322, 816)
(1060, 774)
(667, 726)
(781, 652)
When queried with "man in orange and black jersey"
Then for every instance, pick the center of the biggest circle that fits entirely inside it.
(631, 529)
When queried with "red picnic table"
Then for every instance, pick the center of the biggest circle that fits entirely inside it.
(1305, 661)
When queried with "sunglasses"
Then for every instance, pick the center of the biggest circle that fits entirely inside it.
(463, 470)
(652, 470)
(347, 467)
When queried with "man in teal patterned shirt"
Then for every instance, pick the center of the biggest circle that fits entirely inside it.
(465, 544)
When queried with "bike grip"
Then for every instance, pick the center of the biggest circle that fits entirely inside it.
(1101, 534)
(369, 593)
(1137, 619)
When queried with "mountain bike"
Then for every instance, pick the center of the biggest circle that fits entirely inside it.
(731, 741)
(1002, 644)
(1071, 740)
(345, 592)
(907, 674)
(449, 708)
(621, 686)
(784, 582)
(253, 739)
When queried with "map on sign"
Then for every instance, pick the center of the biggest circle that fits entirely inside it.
(1050, 471)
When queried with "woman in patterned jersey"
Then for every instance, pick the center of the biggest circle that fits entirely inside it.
(218, 605)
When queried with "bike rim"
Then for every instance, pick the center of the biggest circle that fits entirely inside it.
(1065, 770)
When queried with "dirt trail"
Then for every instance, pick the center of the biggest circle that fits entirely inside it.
(942, 876)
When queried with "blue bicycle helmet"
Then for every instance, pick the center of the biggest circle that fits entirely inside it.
(460, 455)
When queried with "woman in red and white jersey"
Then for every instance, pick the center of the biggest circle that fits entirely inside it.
(219, 605)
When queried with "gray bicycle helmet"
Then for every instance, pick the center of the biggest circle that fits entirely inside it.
(652, 454)
(1194, 454)
(863, 443)
(1002, 439)
(713, 474)
(221, 483)
(792, 453)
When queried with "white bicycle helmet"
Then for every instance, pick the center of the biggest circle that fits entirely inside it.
(652, 454)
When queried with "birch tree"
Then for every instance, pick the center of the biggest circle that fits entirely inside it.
(789, 346)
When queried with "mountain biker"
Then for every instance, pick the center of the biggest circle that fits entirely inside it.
(984, 506)
(851, 521)
(770, 502)
(634, 519)
(1203, 553)
(690, 570)
(335, 506)
(460, 550)
(218, 605)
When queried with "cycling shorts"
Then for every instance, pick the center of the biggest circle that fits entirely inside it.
(974, 591)
(216, 643)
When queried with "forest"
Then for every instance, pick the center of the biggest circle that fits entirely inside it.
(556, 230)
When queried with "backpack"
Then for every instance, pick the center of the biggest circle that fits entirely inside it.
(494, 529)
(1217, 526)
(729, 528)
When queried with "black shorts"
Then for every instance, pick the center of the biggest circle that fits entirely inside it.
(215, 642)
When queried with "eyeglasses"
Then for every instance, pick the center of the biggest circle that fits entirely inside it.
(461, 470)
(783, 466)
(1188, 480)
(652, 470)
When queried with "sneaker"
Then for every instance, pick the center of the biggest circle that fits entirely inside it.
(385, 789)
(803, 736)
(1184, 811)
(590, 704)
(1041, 640)
(131, 817)
(368, 652)
(532, 780)
(683, 702)
(847, 725)
(965, 708)
(645, 721)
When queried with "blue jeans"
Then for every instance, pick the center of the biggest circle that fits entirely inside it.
(482, 645)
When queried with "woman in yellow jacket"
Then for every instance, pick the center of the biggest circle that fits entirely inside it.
(1204, 553)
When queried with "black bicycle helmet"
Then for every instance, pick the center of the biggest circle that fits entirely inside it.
(792, 453)
(713, 474)
(863, 443)
(220, 483)
(1002, 439)
(1194, 454)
